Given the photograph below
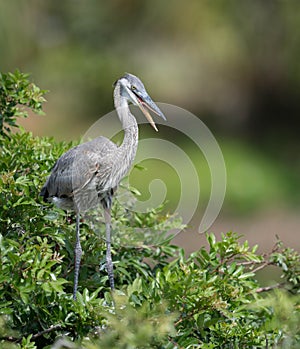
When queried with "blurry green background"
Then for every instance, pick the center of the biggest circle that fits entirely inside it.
(235, 64)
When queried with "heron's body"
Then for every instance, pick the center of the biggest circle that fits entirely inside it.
(89, 173)
(90, 169)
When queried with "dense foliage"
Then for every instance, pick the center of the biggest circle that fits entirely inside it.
(163, 299)
(17, 93)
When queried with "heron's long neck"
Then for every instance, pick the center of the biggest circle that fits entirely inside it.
(129, 124)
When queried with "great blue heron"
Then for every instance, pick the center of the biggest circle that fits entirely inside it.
(95, 168)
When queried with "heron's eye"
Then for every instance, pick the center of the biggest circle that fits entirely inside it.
(133, 88)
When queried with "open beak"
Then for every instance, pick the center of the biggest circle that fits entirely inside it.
(147, 103)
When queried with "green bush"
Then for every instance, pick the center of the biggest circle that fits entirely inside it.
(16, 94)
(163, 299)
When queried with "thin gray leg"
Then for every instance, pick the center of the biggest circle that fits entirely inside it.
(77, 255)
(109, 264)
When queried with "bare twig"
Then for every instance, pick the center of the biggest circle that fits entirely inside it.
(10, 339)
(38, 334)
(262, 266)
(178, 321)
(269, 288)
(50, 329)
(247, 263)
(265, 262)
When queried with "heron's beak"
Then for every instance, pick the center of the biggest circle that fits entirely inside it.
(147, 103)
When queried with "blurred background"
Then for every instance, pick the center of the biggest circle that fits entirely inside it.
(234, 64)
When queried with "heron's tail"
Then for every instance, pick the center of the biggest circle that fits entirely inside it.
(44, 193)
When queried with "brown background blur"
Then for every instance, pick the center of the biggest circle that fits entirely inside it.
(235, 64)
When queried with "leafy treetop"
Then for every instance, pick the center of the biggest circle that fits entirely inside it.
(17, 94)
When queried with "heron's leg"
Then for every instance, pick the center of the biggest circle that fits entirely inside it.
(77, 255)
(109, 264)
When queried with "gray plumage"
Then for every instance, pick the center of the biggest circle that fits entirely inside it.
(89, 173)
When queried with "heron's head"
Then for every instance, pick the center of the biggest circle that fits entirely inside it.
(134, 91)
